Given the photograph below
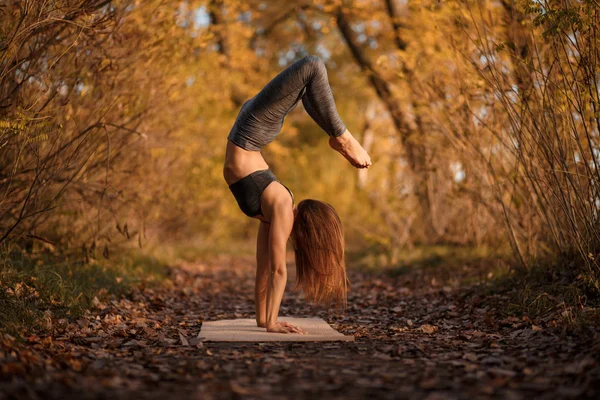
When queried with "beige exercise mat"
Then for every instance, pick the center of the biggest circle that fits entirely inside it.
(245, 330)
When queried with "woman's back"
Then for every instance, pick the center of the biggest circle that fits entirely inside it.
(240, 163)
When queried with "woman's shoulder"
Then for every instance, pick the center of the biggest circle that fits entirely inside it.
(276, 201)
(277, 195)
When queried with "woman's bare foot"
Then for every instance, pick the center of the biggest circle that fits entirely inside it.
(349, 147)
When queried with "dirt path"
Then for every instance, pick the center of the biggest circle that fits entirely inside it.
(411, 342)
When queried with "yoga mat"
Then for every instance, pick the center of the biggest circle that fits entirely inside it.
(245, 330)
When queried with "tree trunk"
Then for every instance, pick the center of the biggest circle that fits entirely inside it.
(415, 151)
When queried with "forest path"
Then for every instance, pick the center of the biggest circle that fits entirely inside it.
(412, 340)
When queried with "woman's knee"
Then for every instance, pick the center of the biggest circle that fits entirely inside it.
(314, 64)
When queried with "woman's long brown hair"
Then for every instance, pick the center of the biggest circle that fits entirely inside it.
(318, 240)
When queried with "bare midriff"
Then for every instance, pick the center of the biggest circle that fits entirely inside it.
(240, 163)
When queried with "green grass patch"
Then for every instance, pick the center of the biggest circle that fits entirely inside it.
(34, 289)
(444, 262)
(554, 291)
(549, 292)
(191, 251)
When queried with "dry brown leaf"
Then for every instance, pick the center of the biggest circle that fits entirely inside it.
(426, 328)
(184, 341)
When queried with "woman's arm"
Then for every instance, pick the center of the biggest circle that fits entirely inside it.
(282, 220)
(263, 270)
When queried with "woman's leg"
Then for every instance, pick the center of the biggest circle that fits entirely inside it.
(304, 79)
(307, 79)
(263, 266)
(319, 103)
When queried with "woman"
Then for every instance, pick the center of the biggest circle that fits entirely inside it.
(313, 226)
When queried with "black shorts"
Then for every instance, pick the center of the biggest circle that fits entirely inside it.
(248, 190)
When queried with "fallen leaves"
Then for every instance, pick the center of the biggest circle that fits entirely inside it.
(426, 328)
(502, 372)
(416, 341)
(183, 339)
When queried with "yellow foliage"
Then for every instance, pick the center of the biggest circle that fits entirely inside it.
(469, 136)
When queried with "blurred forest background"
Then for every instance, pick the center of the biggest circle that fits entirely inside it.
(482, 119)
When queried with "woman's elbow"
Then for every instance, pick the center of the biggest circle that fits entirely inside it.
(279, 270)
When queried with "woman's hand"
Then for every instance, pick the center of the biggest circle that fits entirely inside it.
(294, 328)
(284, 327)
(277, 328)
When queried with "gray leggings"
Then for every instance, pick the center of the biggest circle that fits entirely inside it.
(261, 118)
